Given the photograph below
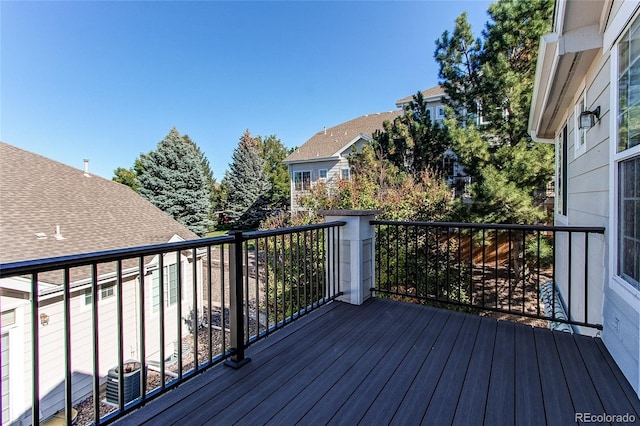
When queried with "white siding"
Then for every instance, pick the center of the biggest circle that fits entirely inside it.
(333, 173)
(52, 337)
(589, 189)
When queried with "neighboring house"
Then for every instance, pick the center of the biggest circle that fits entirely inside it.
(433, 97)
(588, 69)
(324, 157)
(48, 209)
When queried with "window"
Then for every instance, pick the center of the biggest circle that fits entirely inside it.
(322, 174)
(629, 221)
(6, 411)
(345, 173)
(107, 291)
(562, 173)
(170, 286)
(440, 113)
(627, 156)
(581, 134)
(302, 180)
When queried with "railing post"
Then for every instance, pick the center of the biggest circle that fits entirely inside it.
(236, 299)
(356, 253)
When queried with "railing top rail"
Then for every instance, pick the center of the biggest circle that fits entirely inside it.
(591, 229)
(251, 235)
(84, 259)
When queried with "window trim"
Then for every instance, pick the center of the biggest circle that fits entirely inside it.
(618, 284)
(326, 174)
(580, 135)
(562, 174)
(155, 308)
(293, 180)
(342, 172)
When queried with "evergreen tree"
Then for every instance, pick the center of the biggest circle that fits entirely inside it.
(458, 56)
(273, 152)
(172, 178)
(497, 75)
(413, 141)
(211, 184)
(248, 184)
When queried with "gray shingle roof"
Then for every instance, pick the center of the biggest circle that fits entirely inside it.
(432, 93)
(94, 214)
(327, 143)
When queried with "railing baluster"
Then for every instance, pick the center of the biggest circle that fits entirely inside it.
(538, 276)
(142, 331)
(245, 244)
(338, 261)
(223, 311)
(179, 310)
(120, 323)
(95, 347)
(283, 270)
(524, 268)
(484, 254)
(497, 290)
(459, 264)
(209, 266)
(569, 277)
(511, 264)
(35, 350)
(586, 277)
(256, 245)
(291, 276)
(195, 320)
(161, 301)
(553, 277)
(68, 402)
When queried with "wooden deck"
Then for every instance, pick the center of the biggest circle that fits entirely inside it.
(388, 362)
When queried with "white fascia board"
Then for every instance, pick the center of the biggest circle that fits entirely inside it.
(546, 65)
(311, 160)
(353, 141)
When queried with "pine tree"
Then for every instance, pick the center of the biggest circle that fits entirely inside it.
(248, 184)
(172, 178)
(458, 56)
(413, 141)
(497, 76)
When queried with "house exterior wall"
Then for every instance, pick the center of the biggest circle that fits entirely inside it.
(334, 173)
(52, 351)
(591, 198)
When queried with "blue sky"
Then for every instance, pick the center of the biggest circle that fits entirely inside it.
(108, 80)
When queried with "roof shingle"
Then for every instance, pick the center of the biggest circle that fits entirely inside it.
(432, 93)
(38, 194)
(327, 143)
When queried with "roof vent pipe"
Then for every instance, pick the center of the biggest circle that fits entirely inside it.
(58, 235)
(86, 167)
(325, 130)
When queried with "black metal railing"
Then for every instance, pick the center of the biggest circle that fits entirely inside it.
(143, 320)
(512, 269)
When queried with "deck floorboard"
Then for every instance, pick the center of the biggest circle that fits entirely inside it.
(389, 362)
